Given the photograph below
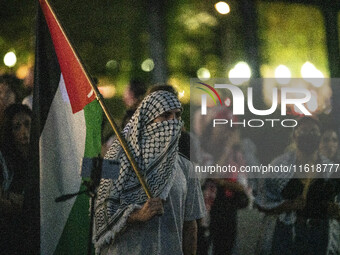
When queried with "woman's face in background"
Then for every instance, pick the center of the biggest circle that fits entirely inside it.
(329, 144)
(21, 127)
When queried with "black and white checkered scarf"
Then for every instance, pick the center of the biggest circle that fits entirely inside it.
(155, 148)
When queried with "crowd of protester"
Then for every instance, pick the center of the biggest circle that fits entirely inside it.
(15, 122)
(289, 213)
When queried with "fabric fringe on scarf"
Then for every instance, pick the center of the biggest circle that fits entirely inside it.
(121, 224)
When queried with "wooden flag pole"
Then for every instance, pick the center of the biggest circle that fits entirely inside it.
(107, 112)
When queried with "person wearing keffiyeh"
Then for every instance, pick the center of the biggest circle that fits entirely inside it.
(126, 221)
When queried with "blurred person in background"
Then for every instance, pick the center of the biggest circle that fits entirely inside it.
(329, 145)
(15, 138)
(227, 193)
(28, 84)
(8, 94)
(299, 199)
(134, 93)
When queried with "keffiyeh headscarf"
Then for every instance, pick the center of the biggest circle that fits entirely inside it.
(155, 148)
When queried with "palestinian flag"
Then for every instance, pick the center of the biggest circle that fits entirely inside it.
(66, 128)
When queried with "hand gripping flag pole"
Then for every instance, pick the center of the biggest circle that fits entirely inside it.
(51, 17)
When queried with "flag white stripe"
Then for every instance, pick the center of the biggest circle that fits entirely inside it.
(62, 145)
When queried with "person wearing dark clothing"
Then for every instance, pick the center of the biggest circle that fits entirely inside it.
(13, 171)
(300, 199)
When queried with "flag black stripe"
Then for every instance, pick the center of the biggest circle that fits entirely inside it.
(46, 80)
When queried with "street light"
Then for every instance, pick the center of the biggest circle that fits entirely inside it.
(203, 74)
(148, 65)
(307, 70)
(222, 7)
(10, 59)
(241, 73)
(282, 74)
(311, 74)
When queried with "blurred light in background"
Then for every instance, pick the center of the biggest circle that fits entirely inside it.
(282, 74)
(318, 79)
(312, 104)
(222, 7)
(180, 84)
(181, 94)
(307, 70)
(241, 73)
(203, 73)
(227, 102)
(192, 20)
(111, 64)
(148, 65)
(107, 91)
(312, 75)
(22, 72)
(10, 59)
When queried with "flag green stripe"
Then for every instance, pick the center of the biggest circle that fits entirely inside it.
(93, 118)
(75, 235)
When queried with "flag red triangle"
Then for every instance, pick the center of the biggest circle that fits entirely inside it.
(78, 84)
